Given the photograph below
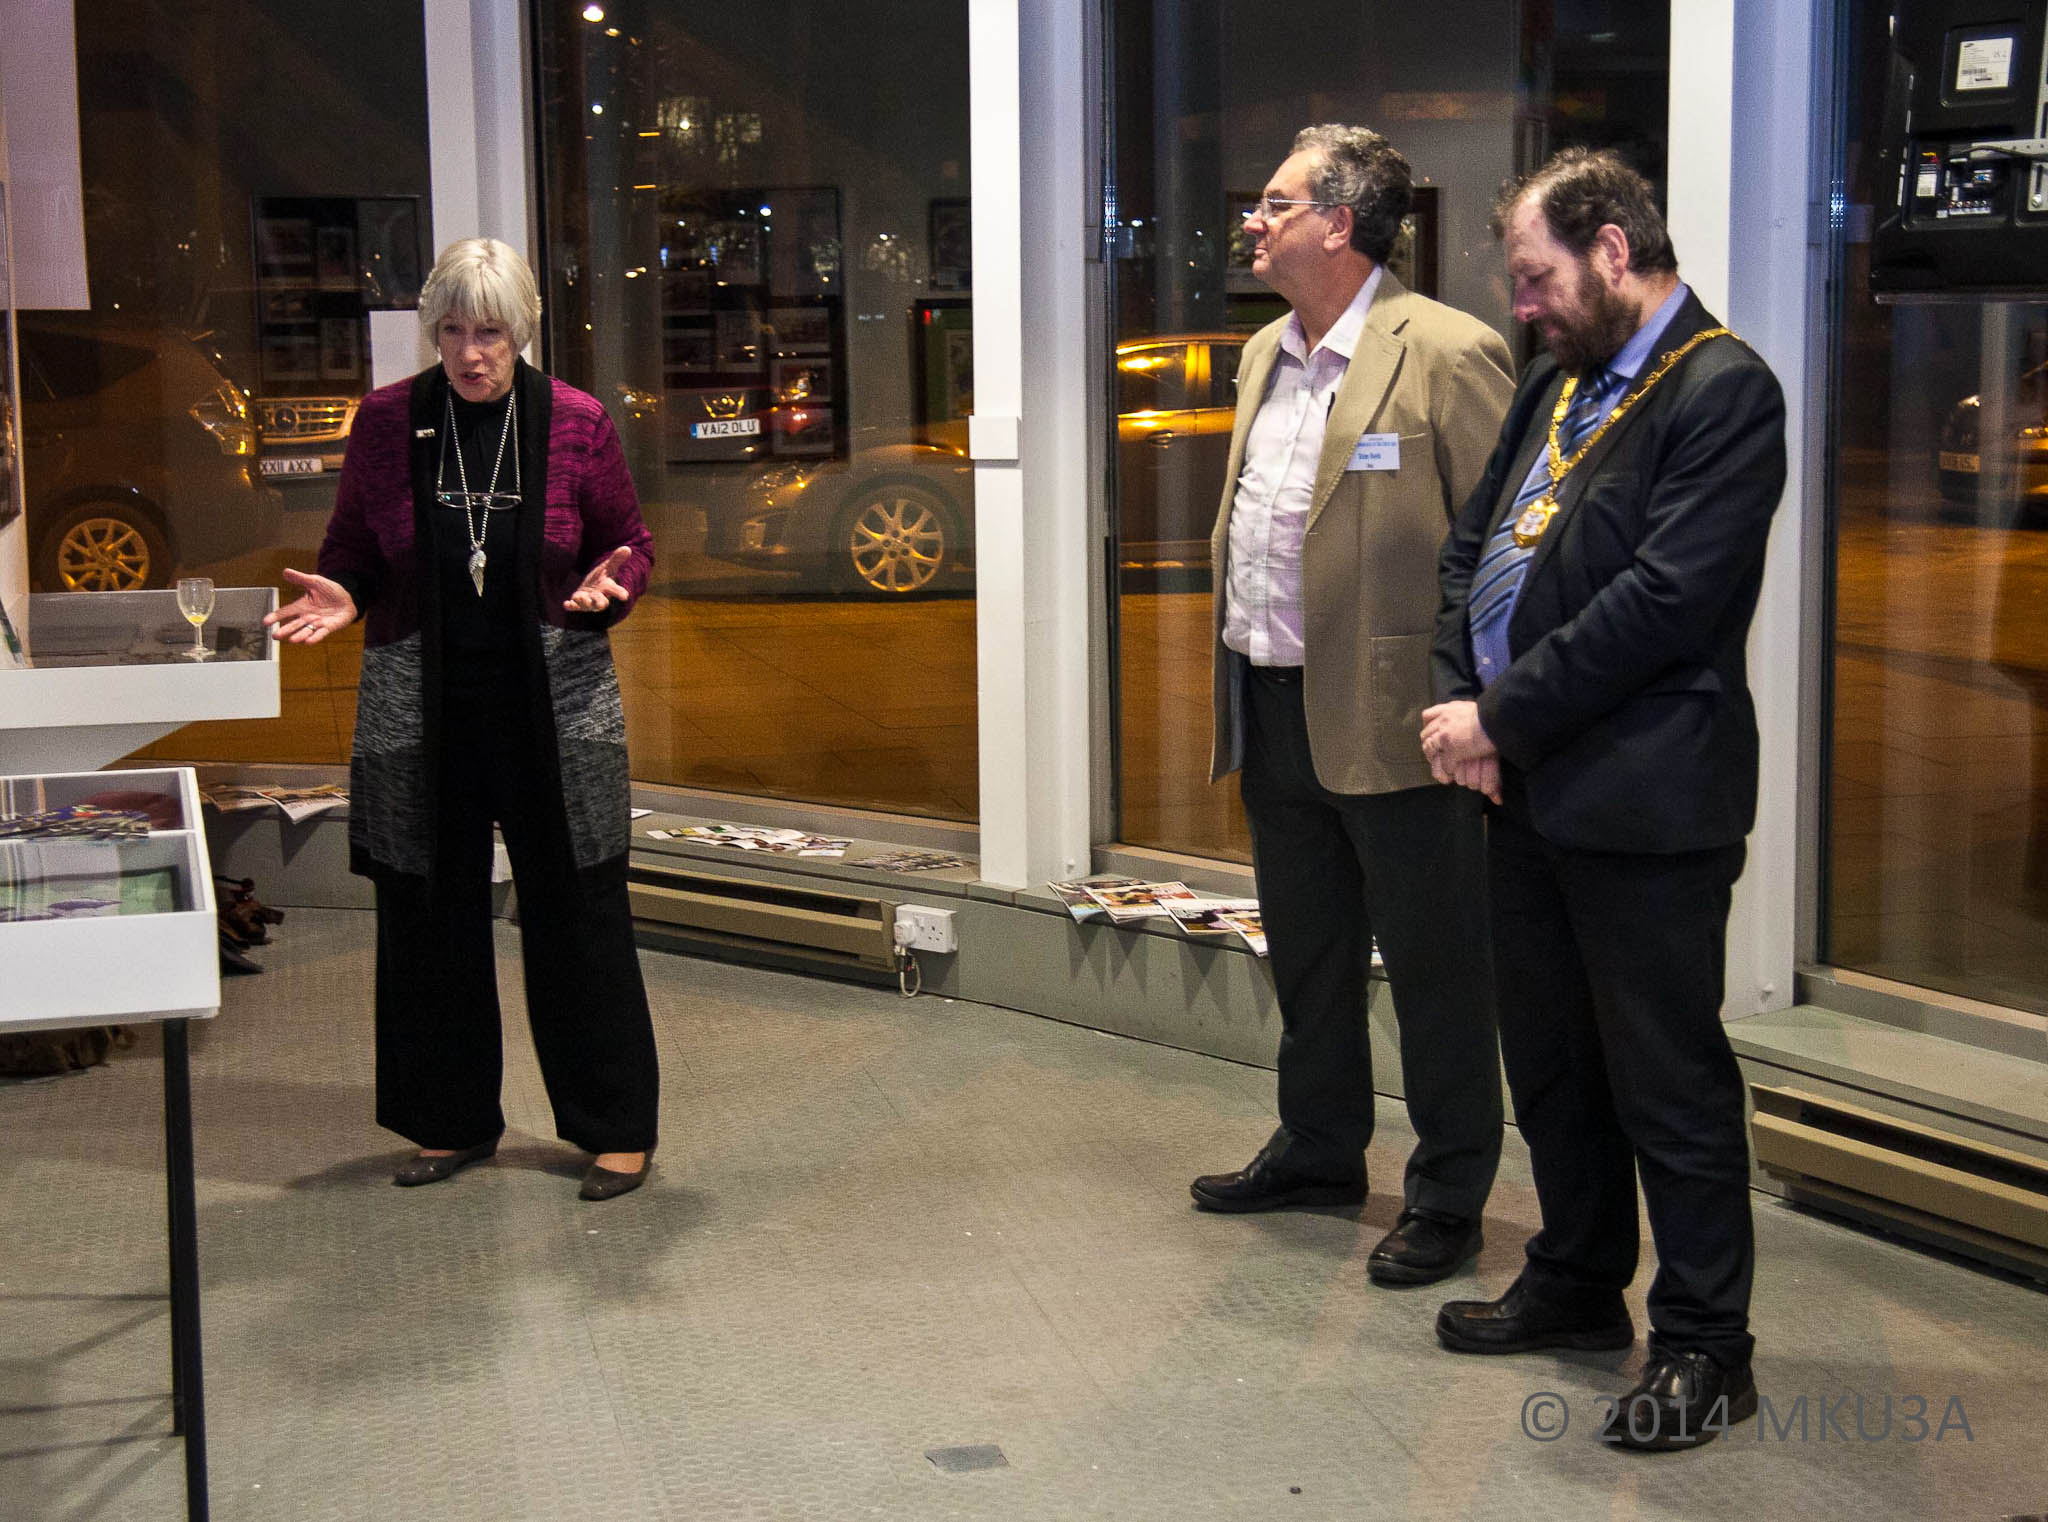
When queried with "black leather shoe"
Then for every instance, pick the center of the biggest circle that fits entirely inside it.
(1423, 1247)
(608, 1184)
(1517, 1323)
(431, 1170)
(1682, 1400)
(1271, 1182)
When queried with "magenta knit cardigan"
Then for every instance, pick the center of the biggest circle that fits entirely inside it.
(592, 509)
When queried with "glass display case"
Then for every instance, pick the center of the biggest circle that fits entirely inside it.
(106, 899)
(108, 672)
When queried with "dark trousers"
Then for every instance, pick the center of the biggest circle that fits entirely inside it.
(1334, 872)
(439, 1042)
(1619, 1066)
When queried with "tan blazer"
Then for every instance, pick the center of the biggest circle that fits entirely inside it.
(1440, 379)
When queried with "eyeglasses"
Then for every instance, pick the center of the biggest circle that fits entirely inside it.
(1263, 209)
(475, 501)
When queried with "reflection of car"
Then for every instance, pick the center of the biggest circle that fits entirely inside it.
(1960, 463)
(303, 435)
(897, 518)
(138, 455)
(894, 518)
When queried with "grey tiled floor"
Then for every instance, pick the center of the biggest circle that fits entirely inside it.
(877, 1227)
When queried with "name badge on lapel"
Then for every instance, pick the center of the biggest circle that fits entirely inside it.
(1376, 451)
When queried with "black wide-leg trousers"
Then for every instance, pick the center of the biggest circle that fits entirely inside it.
(440, 1049)
(1335, 871)
(1611, 966)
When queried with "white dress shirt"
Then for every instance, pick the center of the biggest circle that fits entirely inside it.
(1276, 487)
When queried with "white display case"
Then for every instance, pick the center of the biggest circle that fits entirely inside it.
(98, 931)
(107, 673)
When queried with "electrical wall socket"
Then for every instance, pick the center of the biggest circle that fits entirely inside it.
(922, 929)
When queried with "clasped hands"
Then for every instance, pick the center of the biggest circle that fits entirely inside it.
(1457, 748)
(325, 606)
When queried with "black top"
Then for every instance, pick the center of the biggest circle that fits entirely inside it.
(473, 625)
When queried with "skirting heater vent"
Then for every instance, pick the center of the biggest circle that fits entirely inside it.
(1969, 1196)
(759, 921)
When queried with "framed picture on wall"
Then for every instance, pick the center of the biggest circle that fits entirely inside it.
(804, 410)
(952, 244)
(388, 244)
(284, 250)
(1414, 259)
(802, 382)
(943, 385)
(801, 330)
(1238, 278)
(334, 254)
(688, 350)
(340, 349)
(739, 340)
(291, 356)
(803, 241)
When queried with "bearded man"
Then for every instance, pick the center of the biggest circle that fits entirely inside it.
(1596, 594)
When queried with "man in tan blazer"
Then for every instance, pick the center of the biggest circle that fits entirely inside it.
(1364, 418)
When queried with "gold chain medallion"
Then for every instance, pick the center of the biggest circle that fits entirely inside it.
(1536, 516)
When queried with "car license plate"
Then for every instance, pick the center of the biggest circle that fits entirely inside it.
(725, 428)
(293, 465)
(1966, 463)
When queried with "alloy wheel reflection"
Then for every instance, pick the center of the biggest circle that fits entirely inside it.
(103, 555)
(897, 541)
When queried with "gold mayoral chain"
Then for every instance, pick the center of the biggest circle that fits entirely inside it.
(1537, 515)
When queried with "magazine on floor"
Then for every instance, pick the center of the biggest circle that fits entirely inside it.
(1205, 919)
(1126, 903)
(746, 837)
(1074, 894)
(1247, 923)
(914, 861)
(298, 804)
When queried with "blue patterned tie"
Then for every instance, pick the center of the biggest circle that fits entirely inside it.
(1498, 580)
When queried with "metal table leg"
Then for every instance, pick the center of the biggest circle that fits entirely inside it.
(188, 1397)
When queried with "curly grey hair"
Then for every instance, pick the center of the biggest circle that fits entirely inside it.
(1358, 168)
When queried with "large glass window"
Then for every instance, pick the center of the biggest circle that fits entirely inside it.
(255, 185)
(1208, 97)
(1937, 784)
(758, 257)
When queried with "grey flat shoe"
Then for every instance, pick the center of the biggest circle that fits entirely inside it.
(415, 1171)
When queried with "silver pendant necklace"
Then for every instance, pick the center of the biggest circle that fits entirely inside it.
(479, 503)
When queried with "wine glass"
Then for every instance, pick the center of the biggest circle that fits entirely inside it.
(195, 601)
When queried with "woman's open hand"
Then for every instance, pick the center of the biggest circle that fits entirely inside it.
(599, 591)
(311, 617)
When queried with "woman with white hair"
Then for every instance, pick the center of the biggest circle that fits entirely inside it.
(487, 532)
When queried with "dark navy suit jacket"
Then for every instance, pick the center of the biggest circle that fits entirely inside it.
(1624, 721)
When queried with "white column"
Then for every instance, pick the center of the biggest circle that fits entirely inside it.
(45, 192)
(1748, 141)
(479, 107)
(1065, 415)
(479, 110)
(1037, 577)
(995, 129)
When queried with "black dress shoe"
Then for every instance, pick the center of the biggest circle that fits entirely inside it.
(1682, 1400)
(1423, 1247)
(431, 1170)
(1271, 1182)
(1518, 1323)
(608, 1184)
